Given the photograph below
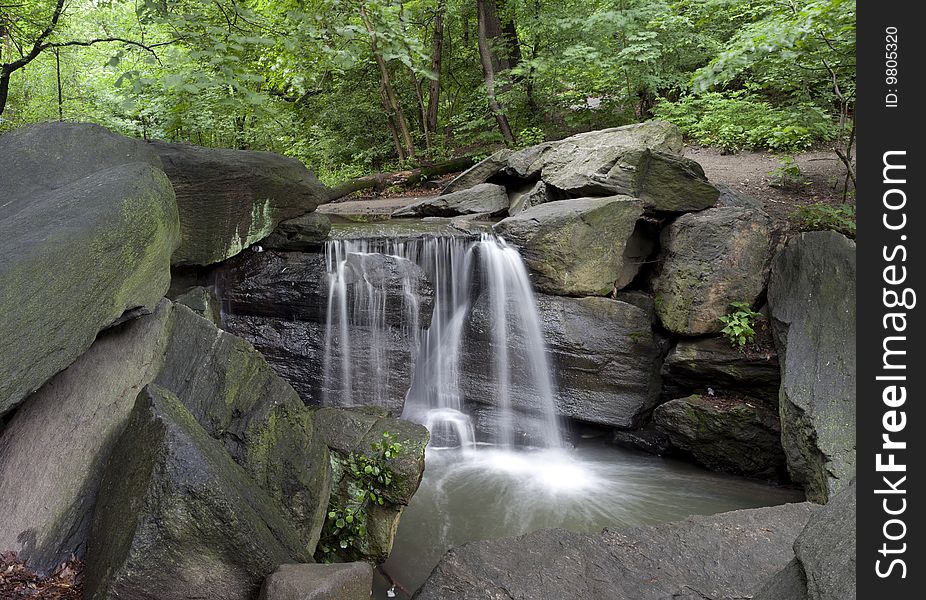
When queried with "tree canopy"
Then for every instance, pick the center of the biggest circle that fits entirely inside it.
(355, 86)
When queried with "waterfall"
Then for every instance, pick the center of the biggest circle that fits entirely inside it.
(459, 269)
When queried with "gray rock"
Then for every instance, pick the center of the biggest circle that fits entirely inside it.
(603, 353)
(485, 198)
(574, 247)
(87, 226)
(526, 196)
(812, 306)
(710, 259)
(178, 518)
(339, 581)
(701, 558)
(739, 435)
(278, 302)
(481, 172)
(203, 302)
(54, 450)
(301, 234)
(693, 366)
(230, 199)
(825, 564)
(649, 439)
(238, 399)
(664, 182)
(355, 430)
(732, 197)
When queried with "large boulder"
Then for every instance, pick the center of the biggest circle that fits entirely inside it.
(711, 259)
(177, 518)
(739, 435)
(530, 194)
(574, 247)
(825, 555)
(354, 431)
(230, 199)
(87, 226)
(483, 199)
(54, 450)
(701, 558)
(481, 172)
(697, 365)
(238, 399)
(811, 299)
(604, 356)
(279, 302)
(339, 581)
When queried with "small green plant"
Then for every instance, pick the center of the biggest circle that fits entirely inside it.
(530, 136)
(820, 217)
(346, 525)
(739, 324)
(788, 174)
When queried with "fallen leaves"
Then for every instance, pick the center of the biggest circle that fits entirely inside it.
(19, 581)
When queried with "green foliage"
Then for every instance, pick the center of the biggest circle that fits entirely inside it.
(371, 477)
(739, 324)
(530, 136)
(821, 217)
(741, 121)
(788, 174)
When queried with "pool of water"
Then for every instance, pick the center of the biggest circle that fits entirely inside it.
(487, 493)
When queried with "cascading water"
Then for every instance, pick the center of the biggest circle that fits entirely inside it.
(459, 269)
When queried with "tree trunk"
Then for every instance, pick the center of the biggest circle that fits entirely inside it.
(489, 25)
(381, 181)
(4, 88)
(390, 100)
(437, 50)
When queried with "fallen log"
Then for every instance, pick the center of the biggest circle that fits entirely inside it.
(378, 182)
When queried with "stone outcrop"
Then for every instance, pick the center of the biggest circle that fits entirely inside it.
(824, 567)
(230, 199)
(348, 431)
(701, 558)
(338, 581)
(738, 435)
(574, 247)
(711, 259)
(812, 306)
(483, 199)
(697, 365)
(604, 356)
(177, 517)
(305, 233)
(87, 227)
(481, 172)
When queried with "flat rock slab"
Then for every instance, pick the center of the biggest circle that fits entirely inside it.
(88, 222)
(811, 298)
(230, 199)
(483, 199)
(337, 581)
(574, 247)
(721, 557)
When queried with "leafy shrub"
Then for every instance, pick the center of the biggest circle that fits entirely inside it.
(739, 324)
(530, 136)
(820, 217)
(346, 526)
(788, 174)
(742, 121)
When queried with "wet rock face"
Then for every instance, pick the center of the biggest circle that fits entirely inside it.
(699, 558)
(603, 353)
(302, 234)
(574, 247)
(279, 302)
(737, 435)
(812, 307)
(85, 237)
(338, 581)
(711, 259)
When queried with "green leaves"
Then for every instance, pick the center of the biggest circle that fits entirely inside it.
(738, 324)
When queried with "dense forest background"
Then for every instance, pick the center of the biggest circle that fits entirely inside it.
(358, 86)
